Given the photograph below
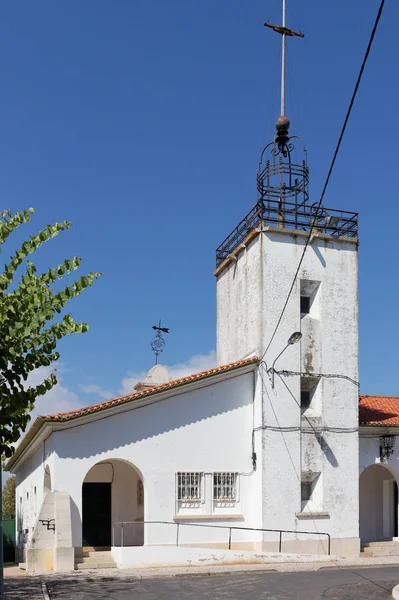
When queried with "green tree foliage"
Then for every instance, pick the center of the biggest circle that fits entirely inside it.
(29, 324)
(9, 498)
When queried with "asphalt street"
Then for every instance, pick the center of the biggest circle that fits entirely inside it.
(342, 584)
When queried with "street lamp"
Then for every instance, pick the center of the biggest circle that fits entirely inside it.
(293, 339)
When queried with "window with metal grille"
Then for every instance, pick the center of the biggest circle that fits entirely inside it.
(189, 486)
(225, 486)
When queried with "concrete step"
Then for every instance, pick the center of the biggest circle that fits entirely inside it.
(99, 559)
(93, 559)
(96, 548)
(383, 544)
(92, 565)
(99, 555)
(367, 552)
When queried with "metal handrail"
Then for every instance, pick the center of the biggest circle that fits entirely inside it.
(230, 528)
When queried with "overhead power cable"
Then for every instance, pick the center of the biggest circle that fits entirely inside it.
(317, 375)
(369, 45)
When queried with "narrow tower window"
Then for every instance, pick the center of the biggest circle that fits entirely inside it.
(305, 305)
(308, 390)
(309, 295)
(305, 399)
(306, 491)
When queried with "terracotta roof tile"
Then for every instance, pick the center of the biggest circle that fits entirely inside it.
(379, 411)
(69, 416)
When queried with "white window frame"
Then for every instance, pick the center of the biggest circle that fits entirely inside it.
(229, 483)
(184, 498)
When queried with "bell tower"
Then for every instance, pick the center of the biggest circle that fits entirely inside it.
(290, 266)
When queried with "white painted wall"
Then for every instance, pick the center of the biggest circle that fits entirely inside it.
(250, 296)
(30, 479)
(206, 430)
(158, 556)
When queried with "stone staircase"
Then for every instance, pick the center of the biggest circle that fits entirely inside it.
(94, 558)
(387, 548)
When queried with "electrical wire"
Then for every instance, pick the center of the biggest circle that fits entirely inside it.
(318, 375)
(310, 430)
(370, 43)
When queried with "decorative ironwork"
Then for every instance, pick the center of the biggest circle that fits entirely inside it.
(387, 445)
(225, 487)
(158, 343)
(288, 215)
(282, 183)
(279, 177)
(189, 487)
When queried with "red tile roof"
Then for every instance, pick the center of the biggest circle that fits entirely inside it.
(68, 416)
(156, 389)
(379, 411)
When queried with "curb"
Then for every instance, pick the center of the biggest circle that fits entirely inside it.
(45, 591)
(395, 593)
(227, 570)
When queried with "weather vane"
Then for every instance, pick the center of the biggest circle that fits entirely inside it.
(158, 343)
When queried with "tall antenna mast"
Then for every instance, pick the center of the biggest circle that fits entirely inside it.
(283, 50)
(284, 31)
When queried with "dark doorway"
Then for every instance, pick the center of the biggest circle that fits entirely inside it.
(97, 514)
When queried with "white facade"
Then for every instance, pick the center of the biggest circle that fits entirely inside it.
(168, 452)
(205, 428)
(316, 448)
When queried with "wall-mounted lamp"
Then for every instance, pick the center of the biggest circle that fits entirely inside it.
(293, 339)
(387, 445)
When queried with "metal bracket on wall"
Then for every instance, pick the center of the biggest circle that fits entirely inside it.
(47, 522)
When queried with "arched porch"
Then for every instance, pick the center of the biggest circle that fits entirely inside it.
(112, 492)
(378, 503)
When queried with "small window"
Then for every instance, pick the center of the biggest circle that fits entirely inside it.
(305, 305)
(306, 491)
(309, 386)
(189, 486)
(225, 487)
(305, 399)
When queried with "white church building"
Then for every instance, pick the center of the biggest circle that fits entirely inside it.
(267, 451)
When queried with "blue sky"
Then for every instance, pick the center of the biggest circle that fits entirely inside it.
(142, 122)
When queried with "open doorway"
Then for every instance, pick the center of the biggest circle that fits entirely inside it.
(378, 504)
(113, 493)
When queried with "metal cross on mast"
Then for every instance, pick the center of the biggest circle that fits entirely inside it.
(284, 31)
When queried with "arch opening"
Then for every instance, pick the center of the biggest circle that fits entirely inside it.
(113, 492)
(378, 503)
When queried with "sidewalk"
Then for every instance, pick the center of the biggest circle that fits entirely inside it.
(18, 586)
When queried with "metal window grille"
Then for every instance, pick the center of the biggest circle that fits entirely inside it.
(189, 486)
(225, 486)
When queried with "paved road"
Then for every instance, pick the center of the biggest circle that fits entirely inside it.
(370, 584)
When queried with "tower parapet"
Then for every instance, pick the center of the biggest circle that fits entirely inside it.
(283, 198)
